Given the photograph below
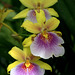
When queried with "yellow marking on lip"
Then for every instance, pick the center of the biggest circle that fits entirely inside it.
(27, 64)
(45, 34)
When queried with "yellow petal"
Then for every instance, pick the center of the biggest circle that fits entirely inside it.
(34, 3)
(31, 27)
(40, 16)
(52, 24)
(22, 14)
(43, 65)
(27, 42)
(58, 33)
(28, 3)
(34, 58)
(53, 12)
(48, 3)
(17, 54)
(6, 13)
(13, 65)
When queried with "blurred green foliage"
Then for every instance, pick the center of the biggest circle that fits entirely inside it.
(62, 65)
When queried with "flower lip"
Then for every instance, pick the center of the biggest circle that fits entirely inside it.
(35, 70)
(48, 45)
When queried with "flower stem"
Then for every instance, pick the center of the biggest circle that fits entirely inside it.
(15, 33)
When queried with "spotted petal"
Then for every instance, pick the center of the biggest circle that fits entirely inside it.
(36, 70)
(22, 14)
(17, 53)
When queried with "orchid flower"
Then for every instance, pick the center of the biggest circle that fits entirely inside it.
(47, 42)
(33, 5)
(26, 63)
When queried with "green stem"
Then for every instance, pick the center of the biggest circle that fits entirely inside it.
(15, 33)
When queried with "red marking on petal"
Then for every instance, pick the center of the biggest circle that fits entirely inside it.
(50, 37)
(46, 37)
(29, 68)
(42, 37)
(23, 66)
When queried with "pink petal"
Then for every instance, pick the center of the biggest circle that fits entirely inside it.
(57, 40)
(47, 14)
(44, 48)
(18, 70)
(58, 51)
(31, 16)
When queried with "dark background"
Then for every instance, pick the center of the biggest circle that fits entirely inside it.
(64, 65)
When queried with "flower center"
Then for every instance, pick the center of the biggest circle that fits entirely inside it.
(27, 66)
(46, 37)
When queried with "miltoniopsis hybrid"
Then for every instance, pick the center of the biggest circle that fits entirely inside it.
(26, 63)
(47, 42)
(33, 5)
